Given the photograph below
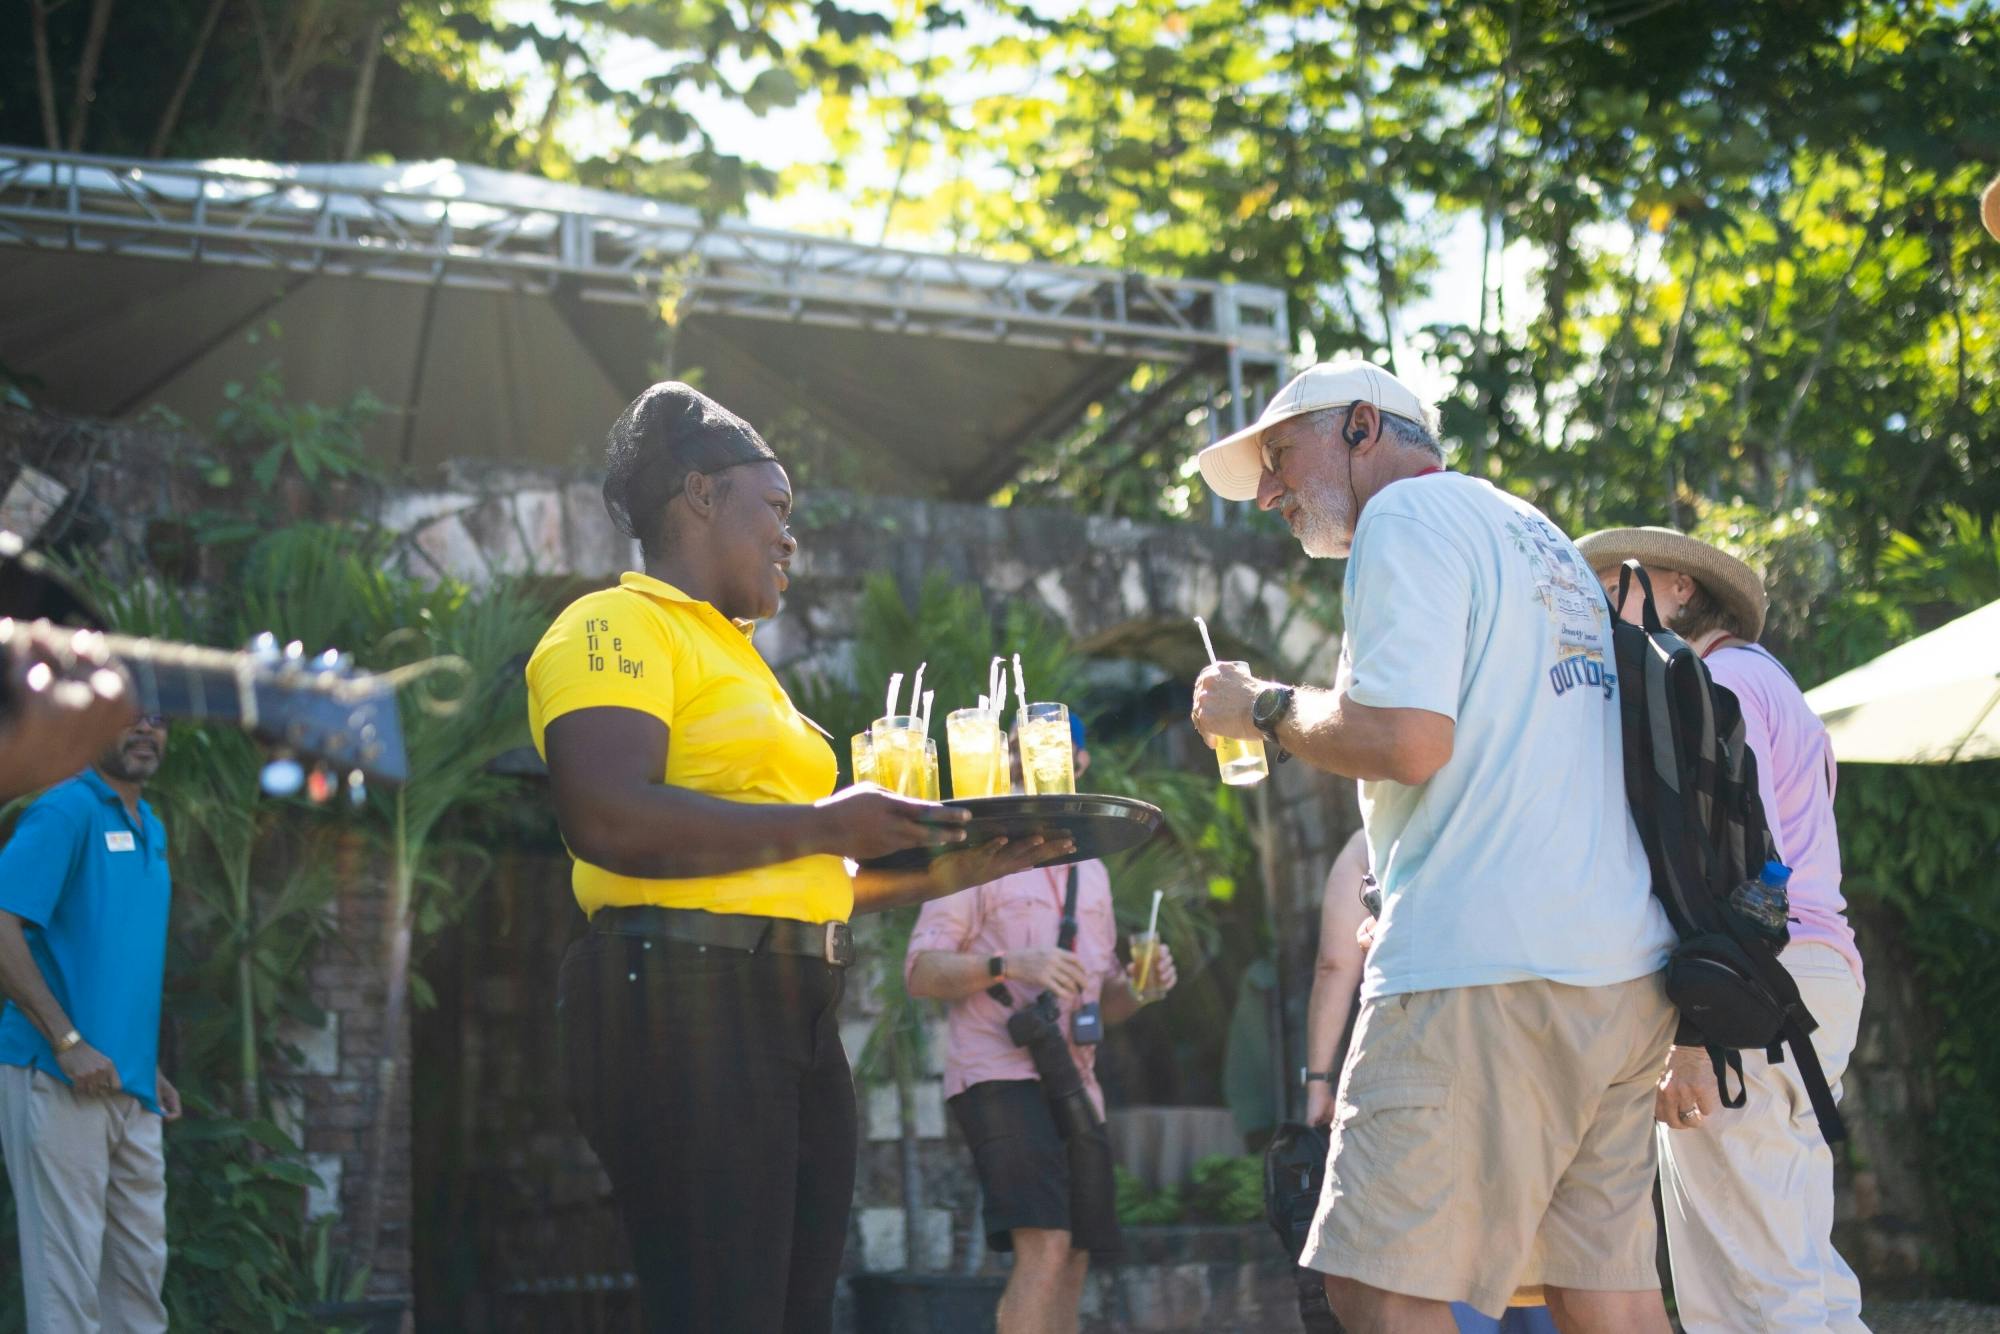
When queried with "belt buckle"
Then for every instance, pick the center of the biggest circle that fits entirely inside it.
(838, 946)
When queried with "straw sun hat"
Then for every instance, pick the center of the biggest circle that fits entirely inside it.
(1731, 582)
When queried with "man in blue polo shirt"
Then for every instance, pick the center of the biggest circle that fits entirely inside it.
(83, 935)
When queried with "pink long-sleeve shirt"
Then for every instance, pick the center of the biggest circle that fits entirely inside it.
(1017, 912)
(1796, 777)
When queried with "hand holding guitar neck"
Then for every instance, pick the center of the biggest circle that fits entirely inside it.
(63, 700)
(66, 694)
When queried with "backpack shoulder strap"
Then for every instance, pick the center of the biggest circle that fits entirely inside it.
(1831, 1127)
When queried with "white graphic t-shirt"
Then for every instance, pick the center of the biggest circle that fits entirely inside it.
(1519, 858)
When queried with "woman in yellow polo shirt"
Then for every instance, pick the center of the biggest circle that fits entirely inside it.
(700, 1013)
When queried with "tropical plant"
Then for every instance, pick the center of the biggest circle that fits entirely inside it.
(451, 743)
(281, 437)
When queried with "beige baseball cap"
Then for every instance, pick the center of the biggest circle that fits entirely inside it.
(1233, 467)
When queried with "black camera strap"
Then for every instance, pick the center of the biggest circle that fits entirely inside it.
(1065, 937)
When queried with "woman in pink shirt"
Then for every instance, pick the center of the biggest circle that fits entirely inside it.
(1748, 1192)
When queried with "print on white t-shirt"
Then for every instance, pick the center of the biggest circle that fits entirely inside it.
(1518, 859)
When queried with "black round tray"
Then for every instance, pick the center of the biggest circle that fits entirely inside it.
(1100, 825)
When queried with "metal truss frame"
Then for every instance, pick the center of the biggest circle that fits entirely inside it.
(338, 222)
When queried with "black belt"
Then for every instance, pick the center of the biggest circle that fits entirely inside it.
(830, 942)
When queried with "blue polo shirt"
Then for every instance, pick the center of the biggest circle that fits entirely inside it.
(92, 884)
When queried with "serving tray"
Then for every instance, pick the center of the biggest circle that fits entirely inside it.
(1100, 825)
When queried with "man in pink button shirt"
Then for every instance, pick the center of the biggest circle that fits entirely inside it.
(1006, 933)
(1748, 1193)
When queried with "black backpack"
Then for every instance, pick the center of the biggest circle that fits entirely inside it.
(1692, 785)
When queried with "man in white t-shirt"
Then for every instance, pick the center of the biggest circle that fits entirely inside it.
(1493, 1121)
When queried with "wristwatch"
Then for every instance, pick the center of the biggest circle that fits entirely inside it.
(996, 967)
(67, 1041)
(1307, 1075)
(1268, 710)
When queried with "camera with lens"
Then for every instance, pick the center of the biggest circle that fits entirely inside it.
(1037, 1027)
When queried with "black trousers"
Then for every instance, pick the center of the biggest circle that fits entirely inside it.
(712, 1085)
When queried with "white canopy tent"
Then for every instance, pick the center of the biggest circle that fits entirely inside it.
(1934, 700)
(508, 318)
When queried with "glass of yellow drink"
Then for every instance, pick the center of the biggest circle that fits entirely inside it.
(1145, 956)
(1242, 762)
(978, 748)
(930, 791)
(1048, 765)
(862, 748)
(898, 743)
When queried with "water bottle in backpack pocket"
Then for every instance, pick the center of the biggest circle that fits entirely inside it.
(1765, 903)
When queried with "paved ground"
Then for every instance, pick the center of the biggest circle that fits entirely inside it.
(1940, 1317)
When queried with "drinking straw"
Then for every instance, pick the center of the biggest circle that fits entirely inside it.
(917, 686)
(1153, 930)
(1020, 686)
(996, 683)
(982, 705)
(929, 695)
(1206, 642)
(895, 691)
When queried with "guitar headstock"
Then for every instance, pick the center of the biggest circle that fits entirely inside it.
(323, 707)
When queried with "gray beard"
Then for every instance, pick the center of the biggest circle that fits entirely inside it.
(1326, 523)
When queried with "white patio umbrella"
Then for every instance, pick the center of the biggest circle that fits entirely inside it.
(1934, 700)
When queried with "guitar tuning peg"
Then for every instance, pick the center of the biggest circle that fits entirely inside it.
(321, 785)
(282, 777)
(357, 789)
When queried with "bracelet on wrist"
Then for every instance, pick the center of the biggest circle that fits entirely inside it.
(68, 1041)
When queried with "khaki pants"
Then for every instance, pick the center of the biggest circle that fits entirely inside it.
(1489, 1139)
(1749, 1196)
(90, 1192)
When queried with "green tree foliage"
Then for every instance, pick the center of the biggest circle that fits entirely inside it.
(605, 92)
(1728, 250)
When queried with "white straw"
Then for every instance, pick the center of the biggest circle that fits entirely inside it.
(917, 687)
(1020, 686)
(1153, 922)
(1206, 642)
(929, 695)
(982, 704)
(996, 683)
(895, 690)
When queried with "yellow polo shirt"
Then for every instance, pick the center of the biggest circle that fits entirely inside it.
(734, 734)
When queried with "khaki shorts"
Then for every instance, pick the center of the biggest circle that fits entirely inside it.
(1494, 1138)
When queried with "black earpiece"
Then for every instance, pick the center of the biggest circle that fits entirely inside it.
(1353, 433)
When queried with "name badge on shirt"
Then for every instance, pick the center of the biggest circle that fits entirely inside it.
(119, 840)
